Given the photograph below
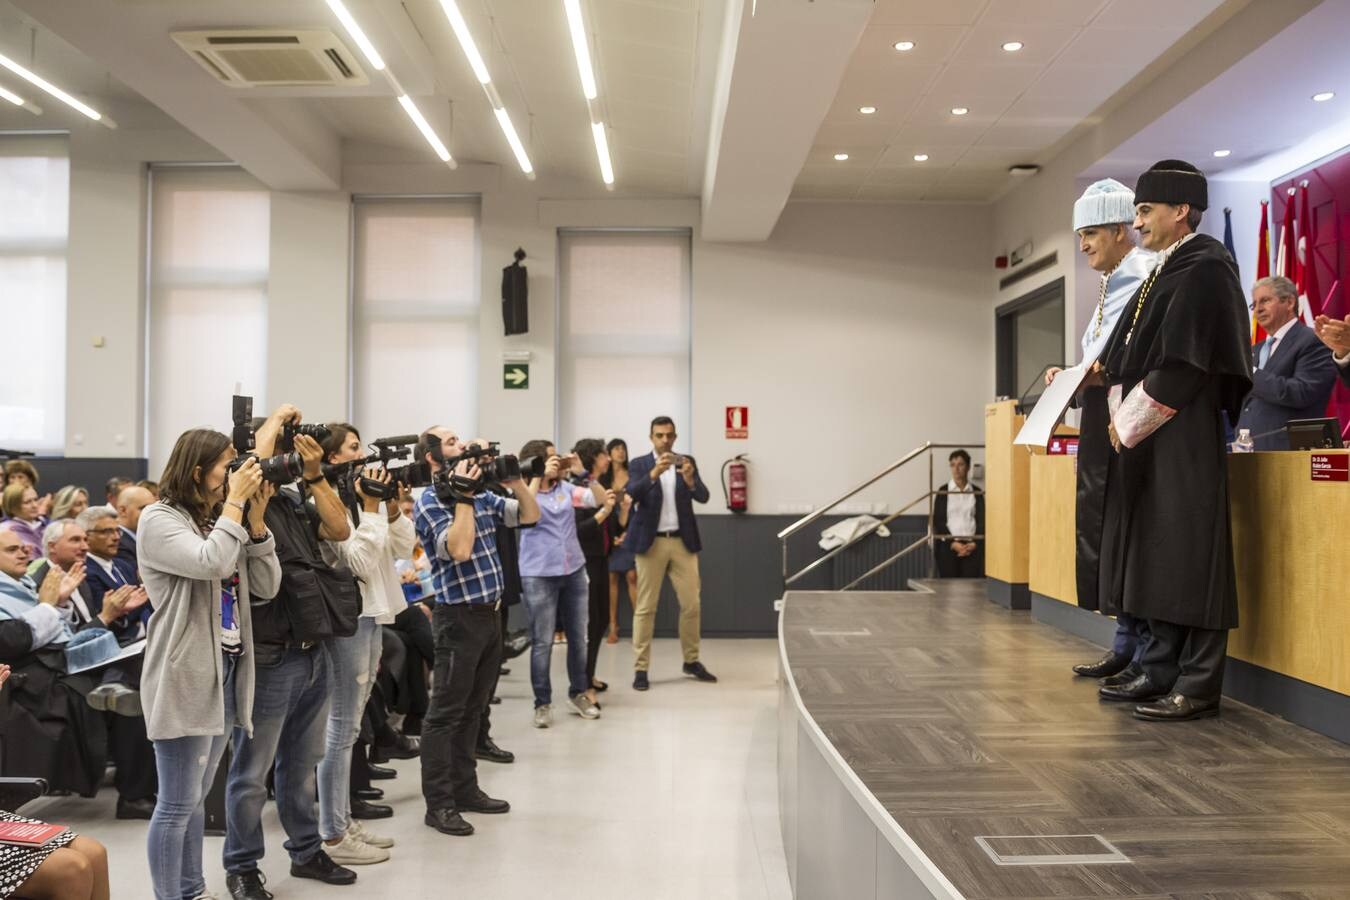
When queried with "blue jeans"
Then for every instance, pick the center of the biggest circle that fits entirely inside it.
(1131, 637)
(355, 661)
(290, 712)
(187, 766)
(545, 595)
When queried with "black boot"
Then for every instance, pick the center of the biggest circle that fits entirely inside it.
(322, 868)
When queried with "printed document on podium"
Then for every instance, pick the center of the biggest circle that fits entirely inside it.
(1050, 408)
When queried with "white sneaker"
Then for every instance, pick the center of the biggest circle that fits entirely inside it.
(359, 832)
(584, 706)
(351, 852)
(206, 896)
(543, 716)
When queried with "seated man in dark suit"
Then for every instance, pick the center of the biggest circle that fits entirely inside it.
(1336, 335)
(959, 512)
(663, 534)
(130, 502)
(1292, 373)
(105, 572)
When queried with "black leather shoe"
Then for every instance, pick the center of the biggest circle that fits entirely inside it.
(479, 802)
(135, 809)
(247, 886)
(1141, 690)
(1108, 665)
(503, 671)
(322, 868)
(1177, 708)
(448, 821)
(382, 773)
(115, 697)
(516, 643)
(371, 793)
(402, 747)
(640, 681)
(364, 809)
(1124, 676)
(697, 670)
(489, 751)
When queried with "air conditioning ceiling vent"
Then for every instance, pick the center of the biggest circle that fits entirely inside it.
(274, 58)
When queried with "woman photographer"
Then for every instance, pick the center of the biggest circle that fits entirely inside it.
(376, 541)
(594, 531)
(553, 576)
(622, 562)
(203, 551)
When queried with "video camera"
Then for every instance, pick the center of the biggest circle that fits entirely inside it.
(387, 450)
(499, 468)
(284, 467)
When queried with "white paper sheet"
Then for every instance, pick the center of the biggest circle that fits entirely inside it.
(1050, 408)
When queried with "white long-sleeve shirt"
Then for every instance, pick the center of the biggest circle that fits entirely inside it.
(370, 552)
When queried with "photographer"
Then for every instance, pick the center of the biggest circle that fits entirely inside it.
(457, 523)
(314, 605)
(595, 532)
(201, 560)
(377, 540)
(553, 574)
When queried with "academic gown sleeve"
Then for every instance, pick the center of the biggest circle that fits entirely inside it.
(1155, 400)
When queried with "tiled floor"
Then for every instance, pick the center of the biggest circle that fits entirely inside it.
(671, 794)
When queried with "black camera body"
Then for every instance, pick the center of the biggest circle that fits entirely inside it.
(283, 468)
(291, 430)
(387, 450)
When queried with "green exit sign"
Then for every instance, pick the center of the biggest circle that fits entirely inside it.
(516, 376)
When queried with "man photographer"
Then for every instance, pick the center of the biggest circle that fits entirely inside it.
(457, 523)
(292, 635)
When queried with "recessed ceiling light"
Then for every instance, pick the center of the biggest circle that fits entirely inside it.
(921, 157)
(1013, 46)
(1323, 97)
(1222, 153)
(904, 46)
(840, 157)
(959, 110)
(867, 110)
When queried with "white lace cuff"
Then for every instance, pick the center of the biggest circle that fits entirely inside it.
(1138, 416)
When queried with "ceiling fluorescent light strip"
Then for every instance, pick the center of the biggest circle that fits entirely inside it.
(349, 22)
(580, 49)
(14, 98)
(45, 85)
(480, 71)
(425, 127)
(576, 26)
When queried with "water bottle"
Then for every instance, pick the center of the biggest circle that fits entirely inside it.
(1244, 442)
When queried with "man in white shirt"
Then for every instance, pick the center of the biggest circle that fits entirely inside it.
(1293, 374)
(958, 512)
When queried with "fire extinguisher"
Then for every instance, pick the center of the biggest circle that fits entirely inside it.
(736, 483)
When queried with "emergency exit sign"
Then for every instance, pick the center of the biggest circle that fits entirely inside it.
(516, 376)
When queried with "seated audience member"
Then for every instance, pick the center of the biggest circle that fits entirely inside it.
(50, 731)
(21, 471)
(113, 487)
(960, 513)
(151, 486)
(68, 867)
(69, 502)
(130, 503)
(21, 506)
(64, 546)
(1292, 374)
(1336, 335)
(105, 571)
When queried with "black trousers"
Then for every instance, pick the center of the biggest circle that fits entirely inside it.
(597, 570)
(1186, 660)
(468, 657)
(485, 720)
(949, 565)
(411, 626)
(133, 758)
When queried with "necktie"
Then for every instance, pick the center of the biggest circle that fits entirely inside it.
(1264, 355)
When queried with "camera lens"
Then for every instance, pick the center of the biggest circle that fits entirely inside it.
(282, 468)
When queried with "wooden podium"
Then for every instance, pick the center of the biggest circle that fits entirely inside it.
(1007, 507)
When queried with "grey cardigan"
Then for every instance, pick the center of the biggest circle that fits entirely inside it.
(181, 680)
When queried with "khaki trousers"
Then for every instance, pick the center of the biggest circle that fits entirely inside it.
(667, 555)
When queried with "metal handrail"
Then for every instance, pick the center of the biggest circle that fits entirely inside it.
(816, 515)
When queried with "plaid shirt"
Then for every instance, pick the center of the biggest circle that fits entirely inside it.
(479, 578)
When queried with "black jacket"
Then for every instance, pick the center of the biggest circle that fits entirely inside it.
(1295, 384)
(940, 511)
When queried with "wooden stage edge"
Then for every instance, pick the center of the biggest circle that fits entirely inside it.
(932, 744)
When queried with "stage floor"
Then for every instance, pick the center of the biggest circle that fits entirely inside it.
(965, 722)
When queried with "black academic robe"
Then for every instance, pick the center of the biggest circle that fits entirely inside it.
(1094, 460)
(1167, 550)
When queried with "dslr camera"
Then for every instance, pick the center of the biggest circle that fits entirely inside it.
(283, 468)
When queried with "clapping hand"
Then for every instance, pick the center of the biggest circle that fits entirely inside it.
(120, 601)
(1334, 333)
(4, 674)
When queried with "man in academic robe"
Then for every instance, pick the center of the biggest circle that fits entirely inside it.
(1101, 219)
(1178, 362)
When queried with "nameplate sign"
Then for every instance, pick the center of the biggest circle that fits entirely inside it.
(1330, 467)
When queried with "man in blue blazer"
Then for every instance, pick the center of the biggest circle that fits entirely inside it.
(1293, 374)
(663, 534)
